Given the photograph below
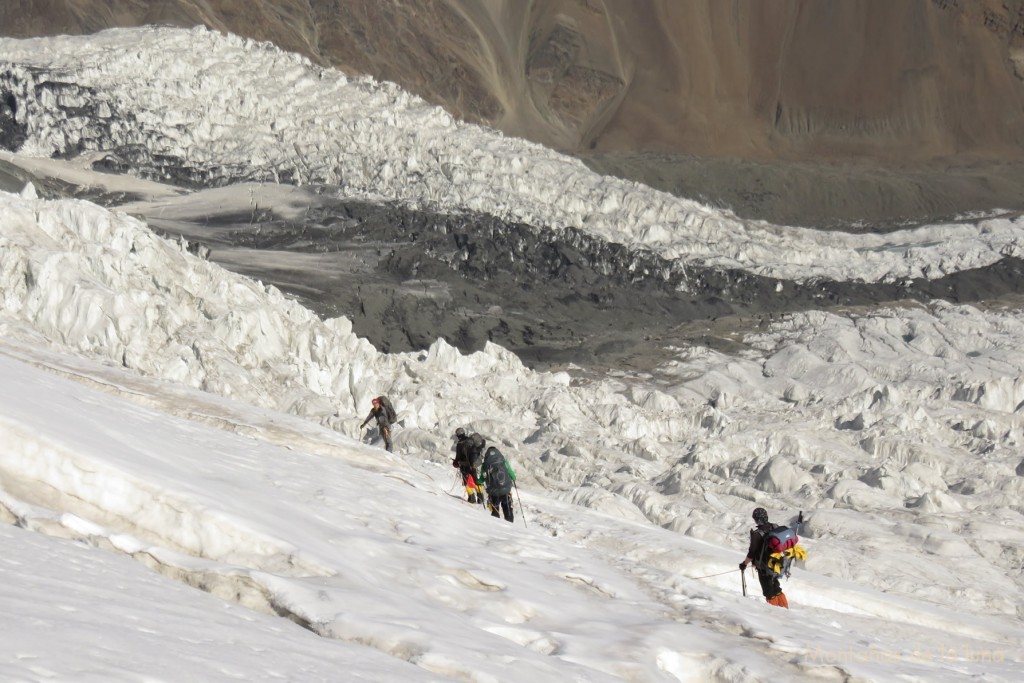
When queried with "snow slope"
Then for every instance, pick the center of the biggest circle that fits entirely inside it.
(193, 428)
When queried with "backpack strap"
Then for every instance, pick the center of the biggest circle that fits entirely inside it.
(763, 533)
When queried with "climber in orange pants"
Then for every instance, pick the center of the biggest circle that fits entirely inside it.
(757, 553)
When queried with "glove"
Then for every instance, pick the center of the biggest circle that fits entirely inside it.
(743, 566)
(455, 463)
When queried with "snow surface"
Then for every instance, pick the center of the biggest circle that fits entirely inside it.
(189, 495)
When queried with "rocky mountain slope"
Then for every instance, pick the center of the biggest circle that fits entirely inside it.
(691, 97)
(796, 79)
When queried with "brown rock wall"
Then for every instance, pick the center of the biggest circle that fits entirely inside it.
(907, 81)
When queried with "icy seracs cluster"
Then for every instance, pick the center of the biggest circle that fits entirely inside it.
(909, 417)
(199, 107)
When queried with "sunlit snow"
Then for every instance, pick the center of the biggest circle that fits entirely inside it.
(189, 495)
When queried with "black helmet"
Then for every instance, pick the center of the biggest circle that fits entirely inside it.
(460, 432)
(760, 515)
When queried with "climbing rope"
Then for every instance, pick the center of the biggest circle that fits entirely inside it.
(711, 575)
(456, 482)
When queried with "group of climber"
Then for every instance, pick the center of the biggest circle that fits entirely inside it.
(484, 469)
(771, 550)
(480, 469)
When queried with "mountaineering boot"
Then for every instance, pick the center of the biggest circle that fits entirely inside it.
(779, 601)
(472, 498)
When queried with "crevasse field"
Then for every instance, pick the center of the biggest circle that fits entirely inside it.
(188, 495)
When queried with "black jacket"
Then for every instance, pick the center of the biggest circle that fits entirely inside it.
(464, 453)
(756, 551)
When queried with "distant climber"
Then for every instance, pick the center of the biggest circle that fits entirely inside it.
(385, 417)
(467, 460)
(772, 548)
(497, 476)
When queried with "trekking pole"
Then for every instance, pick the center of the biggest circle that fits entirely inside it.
(521, 513)
(743, 579)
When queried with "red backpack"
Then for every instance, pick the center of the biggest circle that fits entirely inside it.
(779, 540)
